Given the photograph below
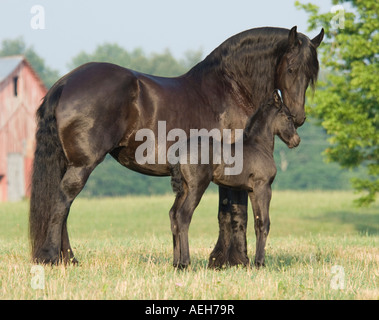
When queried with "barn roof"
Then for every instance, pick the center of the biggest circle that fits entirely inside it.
(8, 64)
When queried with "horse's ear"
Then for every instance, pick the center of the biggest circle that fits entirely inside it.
(293, 41)
(277, 98)
(317, 39)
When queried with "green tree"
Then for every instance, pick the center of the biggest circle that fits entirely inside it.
(347, 101)
(162, 64)
(17, 46)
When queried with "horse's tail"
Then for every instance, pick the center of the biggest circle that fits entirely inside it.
(48, 169)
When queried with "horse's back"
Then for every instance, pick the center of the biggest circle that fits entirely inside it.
(93, 110)
(96, 82)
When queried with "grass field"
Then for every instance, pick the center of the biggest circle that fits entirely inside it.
(124, 247)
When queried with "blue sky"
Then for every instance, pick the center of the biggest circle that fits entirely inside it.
(72, 25)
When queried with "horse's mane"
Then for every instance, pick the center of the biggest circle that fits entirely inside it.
(252, 56)
(245, 48)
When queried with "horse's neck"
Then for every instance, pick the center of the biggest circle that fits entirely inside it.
(246, 77)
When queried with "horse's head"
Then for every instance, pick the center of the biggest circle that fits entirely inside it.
(283, 122)
(297, 68)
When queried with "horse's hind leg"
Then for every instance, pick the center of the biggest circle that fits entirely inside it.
(57, 240)
(72, 183)
(67, 253)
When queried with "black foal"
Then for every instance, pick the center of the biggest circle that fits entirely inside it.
(190, 180)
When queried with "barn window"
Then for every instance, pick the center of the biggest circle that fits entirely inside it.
(15, 82)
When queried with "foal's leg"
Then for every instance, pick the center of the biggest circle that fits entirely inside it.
(184, 217)
(260, 200)
(197, 180)
(174, 227)
(180, 216)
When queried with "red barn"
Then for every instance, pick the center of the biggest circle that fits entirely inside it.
(21, 91)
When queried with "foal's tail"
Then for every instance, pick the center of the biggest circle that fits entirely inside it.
(48, 169)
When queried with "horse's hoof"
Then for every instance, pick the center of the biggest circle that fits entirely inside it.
(46, 258)
(238, 260)
(216, 262)
(217, 259)
(72, 261)
(180, 266)
(259, 264)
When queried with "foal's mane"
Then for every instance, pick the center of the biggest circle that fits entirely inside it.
(250, 59)
(258, 119)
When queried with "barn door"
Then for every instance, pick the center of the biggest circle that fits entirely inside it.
(15, 175)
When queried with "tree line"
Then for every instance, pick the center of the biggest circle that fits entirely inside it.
(339, 142)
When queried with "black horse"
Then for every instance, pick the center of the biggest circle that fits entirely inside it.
(98, 108)
(191, 178)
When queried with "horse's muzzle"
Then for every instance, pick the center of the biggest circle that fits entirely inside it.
(299, 124)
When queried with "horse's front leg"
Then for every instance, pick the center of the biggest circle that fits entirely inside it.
(260, 200)
(231, 247)
(237, 254)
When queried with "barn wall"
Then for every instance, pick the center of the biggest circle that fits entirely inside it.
(17, 122)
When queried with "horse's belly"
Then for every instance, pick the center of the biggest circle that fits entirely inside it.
(126, 158)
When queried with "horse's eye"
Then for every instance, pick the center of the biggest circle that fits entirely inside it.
(290, 70)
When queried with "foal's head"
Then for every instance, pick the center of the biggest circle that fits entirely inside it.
(273, 118)
(283, 122)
